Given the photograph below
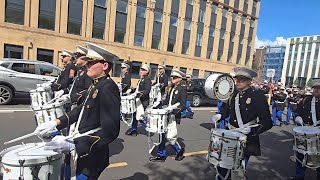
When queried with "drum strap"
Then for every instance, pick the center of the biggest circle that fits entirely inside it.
(75, 79)
(313, 111)
(171, 94)
(237, 109)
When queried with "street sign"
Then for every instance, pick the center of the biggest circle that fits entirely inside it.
(271, 73)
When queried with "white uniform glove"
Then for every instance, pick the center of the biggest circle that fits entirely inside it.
(65, 97)
(216, 117)
(46, 128)
(299, 121)
(58, 94)
(246, 130)
(59, 144)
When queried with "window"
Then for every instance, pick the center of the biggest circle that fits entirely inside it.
(187, 24)
(75, 17)
(225, 13)
(48, 70)
(243, 20)
(185, 48)
(199, 39)
(211, 31)
(154, 69)
(24, 68)
(14, 11)
(5, 64)
(168, 70)
(99, 18)
(173, 21)
(135, 69)
(214, 8)
(45, 55)
(13, 51)
(155, 43)
(183, 69)
(207, 74)
(158, 16)
(141, 12)
(234, 16)
(201, 15)
(251, 23)
(190, 2)
(173, 25)
(121, 21)
(47, 13)
(171, 47)
(116, 70)
(138, 40)
(195, 73)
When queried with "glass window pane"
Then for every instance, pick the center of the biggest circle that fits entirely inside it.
(138, 40)
(13, 51)
(201, 15)
(187, 24)
(99, 19)
(185, 48)
(190, 2)
(45, 55)
(24, 68)
(199, 39)
(158, 16)
(155, 43)
(119, 36)
(173, 21)
(47, 13)
(122, 6)
(135, 70)
(195, 73)
(141, 12)
(183, 69)
(243, 20)
(116, 69)
(14, 11)
(234, 16)
(211, 31)
(214, 8)
(225, 13)
(75, 17)
(48, 70)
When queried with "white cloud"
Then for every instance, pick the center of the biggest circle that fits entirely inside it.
(279, 41)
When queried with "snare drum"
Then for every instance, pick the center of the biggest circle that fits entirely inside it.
(128, 104)
(157, 121)
(40, 96)
(18, 163)
(155, 90)
(226, 148)
(49, 112)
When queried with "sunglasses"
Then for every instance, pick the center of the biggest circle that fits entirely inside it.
(175, 77)
(91, 63)
(142, 69)
(241, 78)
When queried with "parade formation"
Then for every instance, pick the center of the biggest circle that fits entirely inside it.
(79, 114)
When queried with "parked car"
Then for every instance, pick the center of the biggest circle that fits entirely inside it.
(199, 95)
(18, 77)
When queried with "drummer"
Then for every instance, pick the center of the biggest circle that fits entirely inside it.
(82, 81)
(278, 106)
(305, 115)
(65, 79)
(143, 89)
(177, 93)
(98, 116)
(292, 105)
(245, 107)
(125, 78)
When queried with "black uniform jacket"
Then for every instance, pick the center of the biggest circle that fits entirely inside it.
(145, 88)
(281, 97)
(125, 82)
(189, 91)
(179, 95)
(81, 84)
(101, 109)
(304, 110)
(163, 81)
(253, 105)
(65, 78)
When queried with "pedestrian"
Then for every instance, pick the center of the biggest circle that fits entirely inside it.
(143, 90)
(177, 94)
(308, 113)
(97, 118)
(246, 107)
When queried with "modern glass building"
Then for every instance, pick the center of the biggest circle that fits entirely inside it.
(196, 36)
(301, 61)
(273, 59)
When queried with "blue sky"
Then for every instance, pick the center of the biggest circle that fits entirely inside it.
(288, 18)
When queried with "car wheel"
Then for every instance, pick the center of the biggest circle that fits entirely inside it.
(6, 95)
(196, 100)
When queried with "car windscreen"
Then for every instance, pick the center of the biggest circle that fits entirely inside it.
(24, 68)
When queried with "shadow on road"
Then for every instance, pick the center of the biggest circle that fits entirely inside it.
(208, 126)
(116, 147)
(137, 176)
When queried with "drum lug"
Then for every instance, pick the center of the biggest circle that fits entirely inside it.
(35, 171)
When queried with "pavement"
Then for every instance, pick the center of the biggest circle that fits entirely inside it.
(129, 156)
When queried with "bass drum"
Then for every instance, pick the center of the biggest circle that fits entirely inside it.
(220, 86)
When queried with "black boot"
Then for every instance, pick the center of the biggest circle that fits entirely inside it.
(180, 156)
(158, 159)
(132, 133)
(191, 116)
(296, 178)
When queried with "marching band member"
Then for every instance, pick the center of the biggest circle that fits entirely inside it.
(97, 118)
(188, 112)
(143, 90)
(176, 94)
(162, 78)
(125, 78)
(308, 114)
(292, 105)
(65, 79)
(278, 106)
(82, 81)
(246, 107)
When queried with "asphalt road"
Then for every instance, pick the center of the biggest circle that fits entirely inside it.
(130, 159)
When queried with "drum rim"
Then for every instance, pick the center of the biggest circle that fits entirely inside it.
(306, 127)
(215, 86)
(242, 137)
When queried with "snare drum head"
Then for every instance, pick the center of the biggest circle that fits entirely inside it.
(158, 111)
(229, 134)
(209, 85)
(223, 87)
(308, 130)
(35, 156)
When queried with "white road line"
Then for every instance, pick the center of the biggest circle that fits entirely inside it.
(14, 110)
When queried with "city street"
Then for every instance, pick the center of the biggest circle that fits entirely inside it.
(130, 158)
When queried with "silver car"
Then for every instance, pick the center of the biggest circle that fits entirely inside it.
(18, 77)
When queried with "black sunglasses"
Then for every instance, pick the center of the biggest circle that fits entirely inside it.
(91, 63)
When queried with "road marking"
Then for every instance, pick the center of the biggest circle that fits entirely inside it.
(14, 110)
(286, 140)
(114, 165)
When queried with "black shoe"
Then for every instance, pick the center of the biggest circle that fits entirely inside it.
(180, 156)
(158, 159)
(191, 116)
(296, 178)
(132, 133)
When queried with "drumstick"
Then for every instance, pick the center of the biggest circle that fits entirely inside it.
(20, 138)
